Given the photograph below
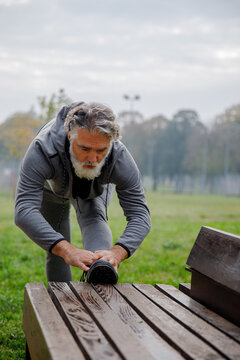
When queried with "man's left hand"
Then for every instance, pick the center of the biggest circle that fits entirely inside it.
(114, 255)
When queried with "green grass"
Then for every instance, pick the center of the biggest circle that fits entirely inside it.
(176, 221)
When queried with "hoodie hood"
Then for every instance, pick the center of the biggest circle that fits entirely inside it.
(58, 133)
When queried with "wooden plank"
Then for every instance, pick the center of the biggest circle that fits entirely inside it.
(208, 292)
(118, 333)
(211, 317)
(46, 333)
(208, 333)
(83, 328)
(153, 342)
(180, 338)
(185, 288)
(216, 254)
(27, 353)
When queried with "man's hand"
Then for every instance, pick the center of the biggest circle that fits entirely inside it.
(114, 255)
(74, 256)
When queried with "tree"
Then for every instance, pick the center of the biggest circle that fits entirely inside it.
(172, 146)
(50, 107)
(141, 139)
(154, 130)
(230, 115)
(225, 140)
(225, 151)
(17, 132)
(3, 151)
(133, 136)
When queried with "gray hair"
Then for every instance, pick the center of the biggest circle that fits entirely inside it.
(93, 116)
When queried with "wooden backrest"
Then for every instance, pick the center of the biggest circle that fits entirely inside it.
(216, 254)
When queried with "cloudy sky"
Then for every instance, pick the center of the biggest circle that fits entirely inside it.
(175, 54)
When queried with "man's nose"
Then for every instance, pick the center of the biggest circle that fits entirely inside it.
(92, 157)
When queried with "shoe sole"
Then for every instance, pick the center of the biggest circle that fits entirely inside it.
(102, 274)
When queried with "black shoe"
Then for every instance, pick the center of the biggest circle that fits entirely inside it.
(102, 272)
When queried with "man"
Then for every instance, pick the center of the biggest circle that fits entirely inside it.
(77, 159)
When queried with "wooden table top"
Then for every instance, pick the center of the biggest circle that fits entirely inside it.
(124, 321)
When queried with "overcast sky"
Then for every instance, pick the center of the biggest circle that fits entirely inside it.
(175, 54)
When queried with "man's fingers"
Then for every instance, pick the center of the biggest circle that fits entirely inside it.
(84, 267)
(108, 256)
(82, 259)
(99, 253)
(111, 260)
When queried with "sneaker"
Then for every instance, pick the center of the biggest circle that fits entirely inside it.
(102, 272)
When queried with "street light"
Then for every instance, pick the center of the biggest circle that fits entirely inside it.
(131, 100)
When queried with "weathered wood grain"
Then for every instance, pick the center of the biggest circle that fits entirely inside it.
(183, 340)
(118, 333)
(155, 344)
(212, 336)
(123, 322)
(211, 317)
(85, 331)
(46, 333)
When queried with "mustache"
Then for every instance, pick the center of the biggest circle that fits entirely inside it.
(89, 163)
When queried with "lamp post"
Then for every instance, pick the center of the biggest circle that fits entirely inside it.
(131, 100)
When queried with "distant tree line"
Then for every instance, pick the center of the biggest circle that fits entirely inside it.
(169, 152)
(182, 149)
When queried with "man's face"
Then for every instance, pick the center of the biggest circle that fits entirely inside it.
(88, 151)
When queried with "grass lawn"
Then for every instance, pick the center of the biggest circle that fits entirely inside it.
(176, 221)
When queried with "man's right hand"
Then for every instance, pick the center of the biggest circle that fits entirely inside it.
(74, 256)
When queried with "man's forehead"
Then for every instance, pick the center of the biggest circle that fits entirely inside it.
(94, 138)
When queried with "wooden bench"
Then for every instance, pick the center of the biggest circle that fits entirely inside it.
(215, 266)
(124, 321)
(80, 321)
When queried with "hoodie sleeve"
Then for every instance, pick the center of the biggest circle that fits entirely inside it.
(35, 169)
(127, 179)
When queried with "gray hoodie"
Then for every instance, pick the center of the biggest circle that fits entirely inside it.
(46, 165)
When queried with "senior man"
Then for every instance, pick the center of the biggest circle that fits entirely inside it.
(78, 159)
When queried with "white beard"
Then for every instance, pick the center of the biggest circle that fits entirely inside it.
(83, 172)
